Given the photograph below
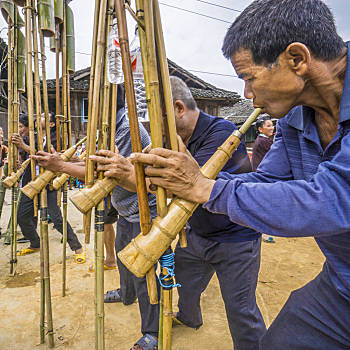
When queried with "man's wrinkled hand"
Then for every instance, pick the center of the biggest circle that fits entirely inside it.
(18, 141)
(178, 172)
(114, 165)
(49, 161)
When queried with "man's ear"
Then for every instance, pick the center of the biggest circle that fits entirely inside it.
(298, 58)
(179, 107)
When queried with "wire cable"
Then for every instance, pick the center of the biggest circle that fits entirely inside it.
(196, 13)
(217, 5)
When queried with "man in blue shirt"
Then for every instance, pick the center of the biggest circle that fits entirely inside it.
(214, 243)
(294, 64)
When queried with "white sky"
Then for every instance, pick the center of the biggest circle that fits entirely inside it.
(192, 41)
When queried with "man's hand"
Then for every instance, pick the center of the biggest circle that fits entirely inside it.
(50, 161)
(115, 165)
(18, 141)
(178, 172)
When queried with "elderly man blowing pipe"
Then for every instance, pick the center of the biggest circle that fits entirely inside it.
(297, 68)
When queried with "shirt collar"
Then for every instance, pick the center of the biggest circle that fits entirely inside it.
(203, 122)
(297, 117)
(344, 113)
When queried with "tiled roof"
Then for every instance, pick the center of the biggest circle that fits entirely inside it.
(200, 89)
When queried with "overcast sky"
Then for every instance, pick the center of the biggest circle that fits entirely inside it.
(192, 41)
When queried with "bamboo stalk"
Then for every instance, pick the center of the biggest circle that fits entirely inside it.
(113, 108)
(142, 253)
(95, 108)
(43, 19)
(30, 94)
(145, 217)
(45, 249)
(64, 145)
(45, 93)
(10, 93)
(89, 177)
(58, 98)
(13, 261)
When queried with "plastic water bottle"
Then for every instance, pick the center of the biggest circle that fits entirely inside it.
(114, 61)
(139, 82)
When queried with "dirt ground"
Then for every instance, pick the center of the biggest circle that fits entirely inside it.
(286, 265)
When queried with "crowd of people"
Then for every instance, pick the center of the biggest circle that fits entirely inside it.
(297, 69)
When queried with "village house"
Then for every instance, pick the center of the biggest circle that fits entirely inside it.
(208, 97)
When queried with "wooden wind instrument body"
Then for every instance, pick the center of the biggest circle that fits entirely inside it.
(143, 252)
(34, 187)
(11, 180)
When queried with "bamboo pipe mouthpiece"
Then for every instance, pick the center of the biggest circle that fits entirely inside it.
(87, 198)
(9, 181)
(140, 255)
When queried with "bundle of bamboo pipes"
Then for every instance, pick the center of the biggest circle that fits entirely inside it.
(15, 88)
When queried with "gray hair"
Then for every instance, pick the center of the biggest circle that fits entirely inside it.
(182, 92)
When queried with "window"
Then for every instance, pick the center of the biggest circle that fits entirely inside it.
(84, 110)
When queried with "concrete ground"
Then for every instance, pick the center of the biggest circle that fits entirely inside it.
(286, 265)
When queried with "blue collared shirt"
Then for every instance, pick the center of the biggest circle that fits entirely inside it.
(209, 134)
(299, 188)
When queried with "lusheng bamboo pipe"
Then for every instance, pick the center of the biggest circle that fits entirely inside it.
(143, 252)
(64, 143)
(30, 94)
(44, 17)
(10, 181)
(145, 217)
(89, 178)
(59, 181)
(34, 187)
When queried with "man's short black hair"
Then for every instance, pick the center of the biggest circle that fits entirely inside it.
(267, 27)
(23, 119)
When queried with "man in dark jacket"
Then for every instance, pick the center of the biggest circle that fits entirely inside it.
(26, 206)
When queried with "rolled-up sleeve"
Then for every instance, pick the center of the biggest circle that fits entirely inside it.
(270, 201)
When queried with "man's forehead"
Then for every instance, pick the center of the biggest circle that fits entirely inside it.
(242, 59)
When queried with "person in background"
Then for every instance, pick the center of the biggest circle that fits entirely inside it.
(26, 206)
(264, 141)
(262, 145)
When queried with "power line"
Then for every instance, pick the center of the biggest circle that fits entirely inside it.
(196, 13)
(212, 73)
(217, 5)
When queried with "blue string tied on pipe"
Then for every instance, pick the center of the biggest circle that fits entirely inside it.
(167, 262)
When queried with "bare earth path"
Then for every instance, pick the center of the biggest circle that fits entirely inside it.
(286, 265)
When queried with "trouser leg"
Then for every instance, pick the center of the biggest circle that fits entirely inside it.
(127, 289)
(315, 317)
(194, 274)
(149, 313)
(25, 221)
(237, 266)
(56, 217)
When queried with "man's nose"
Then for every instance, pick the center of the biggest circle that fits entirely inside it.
(248, 93)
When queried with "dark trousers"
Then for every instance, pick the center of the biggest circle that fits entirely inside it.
(315, 317)
(25, 220)
(236, 265)
(132, 287)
